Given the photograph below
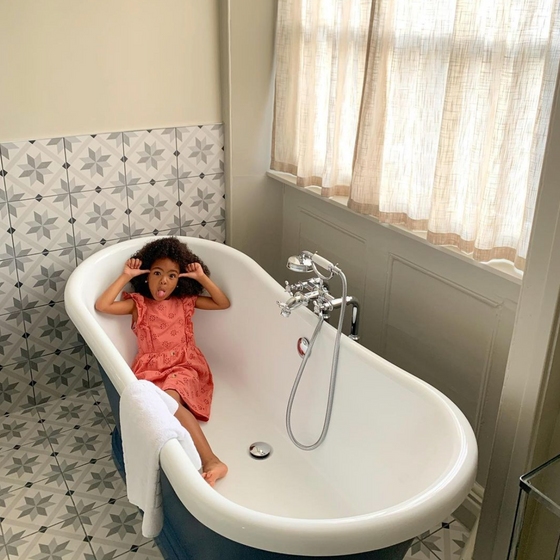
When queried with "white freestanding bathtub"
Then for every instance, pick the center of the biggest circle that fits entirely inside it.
(399, 456)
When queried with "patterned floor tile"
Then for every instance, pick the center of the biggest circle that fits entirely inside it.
(448, 542)
(107, 414)
(419, 551)
(102, 214)
(40, 505)
(94, 374)
(41, 224)
(60, 375)
(16, 392)
(200, 149)
(202, 198)
(115, 528)
(6, 248)
(153, 207)
(95, 485)
(54, 543)
(44, 276)
(70, 412)
(150, 155)
(26, 465)
(148, 551)
(34, 167)
(51, 330)
(88, 443)
(25, 431)
(96, 160)
(12, 339)
(9, 287)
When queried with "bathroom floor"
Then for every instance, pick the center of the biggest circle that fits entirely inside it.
(62, 497)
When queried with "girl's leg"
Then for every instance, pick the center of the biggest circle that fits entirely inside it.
(212, 467)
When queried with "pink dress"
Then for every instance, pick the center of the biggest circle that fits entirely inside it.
(167, 353)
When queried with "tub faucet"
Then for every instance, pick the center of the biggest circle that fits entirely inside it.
(316, 290)
(292, 303)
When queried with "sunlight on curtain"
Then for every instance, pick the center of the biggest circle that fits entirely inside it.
(320, 62)
(454, 113)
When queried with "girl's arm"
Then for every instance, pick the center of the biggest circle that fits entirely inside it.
(106, 302)
(217, 299)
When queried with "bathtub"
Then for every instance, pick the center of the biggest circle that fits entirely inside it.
(398, 459)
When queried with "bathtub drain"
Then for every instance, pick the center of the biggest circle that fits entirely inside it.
(260, 450)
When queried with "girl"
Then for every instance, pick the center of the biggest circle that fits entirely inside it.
(166, 293)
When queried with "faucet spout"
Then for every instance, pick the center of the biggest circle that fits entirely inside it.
(354, 318)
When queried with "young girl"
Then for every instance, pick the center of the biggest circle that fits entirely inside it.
(167, 280)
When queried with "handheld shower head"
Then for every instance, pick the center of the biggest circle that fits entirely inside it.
(300, 263)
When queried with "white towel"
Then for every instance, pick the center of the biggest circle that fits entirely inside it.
(147, 423)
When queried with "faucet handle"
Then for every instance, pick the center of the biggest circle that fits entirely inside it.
(288, 288)
(284, 309)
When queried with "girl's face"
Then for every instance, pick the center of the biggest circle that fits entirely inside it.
(163, 278)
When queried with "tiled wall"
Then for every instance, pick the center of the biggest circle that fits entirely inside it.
(62, 199)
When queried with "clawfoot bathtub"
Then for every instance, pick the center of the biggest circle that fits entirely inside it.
(398, 459)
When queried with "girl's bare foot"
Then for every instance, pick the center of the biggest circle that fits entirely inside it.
(213, 470)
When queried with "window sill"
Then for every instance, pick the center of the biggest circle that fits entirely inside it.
(502, 268)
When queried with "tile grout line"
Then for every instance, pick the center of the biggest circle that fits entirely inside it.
(68, 490)
(179, 191)
(16, 268)
(70, 200)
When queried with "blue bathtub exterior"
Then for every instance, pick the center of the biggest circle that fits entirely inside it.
(184, 538)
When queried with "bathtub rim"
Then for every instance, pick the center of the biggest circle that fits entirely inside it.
(348, 535)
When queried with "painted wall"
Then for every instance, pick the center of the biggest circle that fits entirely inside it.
(78, 67)
(255, 203)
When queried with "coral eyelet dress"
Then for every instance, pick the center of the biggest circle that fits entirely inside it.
(167, 352)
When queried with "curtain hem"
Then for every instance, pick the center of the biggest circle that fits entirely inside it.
(440, 239)
(313, 181)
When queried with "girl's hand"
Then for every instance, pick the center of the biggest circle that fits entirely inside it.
(194, 271)
(132, 268)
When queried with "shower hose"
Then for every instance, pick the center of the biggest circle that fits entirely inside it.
(334, 368)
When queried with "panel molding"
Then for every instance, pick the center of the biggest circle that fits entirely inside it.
(494, 304)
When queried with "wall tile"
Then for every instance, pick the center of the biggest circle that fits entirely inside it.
(150, 155)
(42, 224)
(202, 198)
(34, 167)
(101, 214)
(153, 207)
(61, 200)
(95, 160)
(85, 251)
(44, 276)
(200, 150)
(209, 231)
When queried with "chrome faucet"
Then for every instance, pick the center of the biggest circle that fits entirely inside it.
(316, 290)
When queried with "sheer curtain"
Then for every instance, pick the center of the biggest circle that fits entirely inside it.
(446, 119)
(320, 62)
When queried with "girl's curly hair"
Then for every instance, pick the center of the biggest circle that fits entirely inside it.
(168, 248)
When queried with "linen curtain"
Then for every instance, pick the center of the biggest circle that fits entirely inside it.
(429, 114)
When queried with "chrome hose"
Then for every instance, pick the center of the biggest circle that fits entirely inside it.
(334, 370)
